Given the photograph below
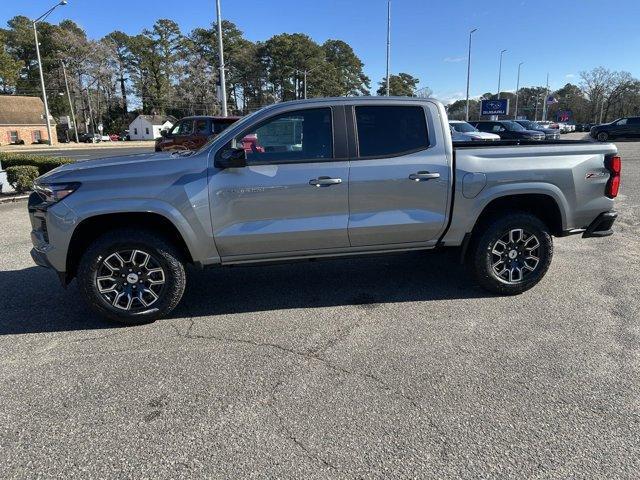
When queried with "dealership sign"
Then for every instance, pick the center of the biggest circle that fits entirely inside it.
(494, 107)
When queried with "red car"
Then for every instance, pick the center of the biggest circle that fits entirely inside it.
(190, 133)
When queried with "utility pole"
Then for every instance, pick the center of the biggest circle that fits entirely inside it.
(44, 91)
(544, 103)
(223, 86)
(73, 115)
(388, 41)
(515, 116)
(469, 72)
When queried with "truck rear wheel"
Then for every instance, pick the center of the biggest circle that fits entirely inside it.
(511, 254)
(131, 276)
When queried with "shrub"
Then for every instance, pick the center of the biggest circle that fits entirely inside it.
(21, 177)
(43, 163)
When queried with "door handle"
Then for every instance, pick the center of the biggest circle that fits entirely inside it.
(420, 176)
(324, 181)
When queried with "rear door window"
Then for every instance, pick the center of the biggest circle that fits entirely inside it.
(201, 126)
(385, 131)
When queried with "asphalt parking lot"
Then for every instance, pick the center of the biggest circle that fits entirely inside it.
(391, 367)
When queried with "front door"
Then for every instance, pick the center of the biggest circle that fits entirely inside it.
(291, 198)
(399, 182)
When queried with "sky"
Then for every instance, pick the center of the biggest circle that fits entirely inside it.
(429, 37)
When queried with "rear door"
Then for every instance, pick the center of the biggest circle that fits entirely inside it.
(399, 176)
(292, 197)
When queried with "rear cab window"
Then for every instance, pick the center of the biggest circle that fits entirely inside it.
(391, 130)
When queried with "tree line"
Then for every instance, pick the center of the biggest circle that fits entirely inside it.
(164, 71)
(601, 95)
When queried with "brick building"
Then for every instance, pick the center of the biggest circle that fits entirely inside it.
(22, 119)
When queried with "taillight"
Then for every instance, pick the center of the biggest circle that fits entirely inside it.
(614, 165)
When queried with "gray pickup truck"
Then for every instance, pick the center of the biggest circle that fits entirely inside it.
(317, 178)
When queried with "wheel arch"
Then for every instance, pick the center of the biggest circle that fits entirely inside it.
(92, 227)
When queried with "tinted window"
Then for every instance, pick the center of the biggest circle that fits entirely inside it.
(634, 121)
(391, 130)
(463, 127)
(218, 126)
(513, 126)
(295, 136)
(485, 127)
(622, 122)
(201, 127)
(184, 127)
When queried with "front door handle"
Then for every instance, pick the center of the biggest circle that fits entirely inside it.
(324, 181)
(420, 176)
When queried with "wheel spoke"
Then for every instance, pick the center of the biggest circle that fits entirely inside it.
(515, 235)
(100, 281)
(145, 258)
(502, 245)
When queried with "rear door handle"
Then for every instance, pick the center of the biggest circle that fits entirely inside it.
(324, 181)
(420, 176)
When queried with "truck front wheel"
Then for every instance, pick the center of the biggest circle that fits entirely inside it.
(511, 254)
(131, 276)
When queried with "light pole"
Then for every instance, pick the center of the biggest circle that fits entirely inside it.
(305, 72)
(223, 86)
(546, 98)
(388, 40)
(515, 116)
(500, 72)
(44, 92)
(469, 71)
(73, 114)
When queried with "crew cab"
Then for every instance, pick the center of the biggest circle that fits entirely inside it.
(321, 178)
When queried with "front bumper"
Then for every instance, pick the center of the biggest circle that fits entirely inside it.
(601, 226)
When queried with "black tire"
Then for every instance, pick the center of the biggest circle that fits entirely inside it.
(482, 257)
(602, 136)
(162, 254)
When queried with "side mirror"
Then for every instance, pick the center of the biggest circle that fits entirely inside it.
(231, 158)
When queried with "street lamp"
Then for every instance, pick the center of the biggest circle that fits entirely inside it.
(500, 72)
(223, 86)
(469, 71)
(44, 92)
(305, 78)
(515, 116)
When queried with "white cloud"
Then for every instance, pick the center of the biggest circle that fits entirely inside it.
(454, 59)
(570, 75)
(449, 97)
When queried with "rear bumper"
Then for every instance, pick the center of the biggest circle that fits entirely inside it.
(601, 226)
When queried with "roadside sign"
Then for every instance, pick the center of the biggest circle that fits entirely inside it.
(100, 127)
(494, 107)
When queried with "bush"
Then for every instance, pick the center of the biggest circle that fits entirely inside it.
(21, 177)
(43, 164)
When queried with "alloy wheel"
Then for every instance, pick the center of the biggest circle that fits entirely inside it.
(131, 280)
(515, 256)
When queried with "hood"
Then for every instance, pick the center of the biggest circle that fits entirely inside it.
(537, 133)
(83, 167)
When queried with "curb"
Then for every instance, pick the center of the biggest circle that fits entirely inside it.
(17, 198)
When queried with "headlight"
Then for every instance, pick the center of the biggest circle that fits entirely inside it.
(54, 192)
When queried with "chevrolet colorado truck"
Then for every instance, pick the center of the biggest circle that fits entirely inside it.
(319, 178)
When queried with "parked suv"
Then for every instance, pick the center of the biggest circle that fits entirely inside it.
(628, 127)
(508, 130)
(191, 133)
(549, 133)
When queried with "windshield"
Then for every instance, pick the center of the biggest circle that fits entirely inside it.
(513, 126)
(529, 125)
(463, 127)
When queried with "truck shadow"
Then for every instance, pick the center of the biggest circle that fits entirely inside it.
(33, 302)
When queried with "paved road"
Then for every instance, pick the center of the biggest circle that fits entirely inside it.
(389, 367)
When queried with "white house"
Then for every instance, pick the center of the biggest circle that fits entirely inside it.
(148, 127)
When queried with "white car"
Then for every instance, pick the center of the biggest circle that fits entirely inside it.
(464, 132)
(105, 138)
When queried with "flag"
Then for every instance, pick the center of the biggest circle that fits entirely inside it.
(551, 100)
